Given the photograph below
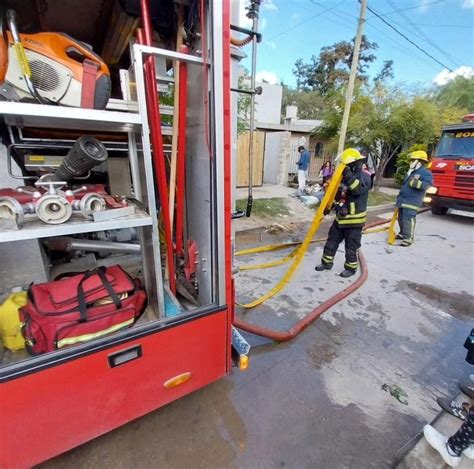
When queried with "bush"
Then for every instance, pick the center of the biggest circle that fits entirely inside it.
(403, 162)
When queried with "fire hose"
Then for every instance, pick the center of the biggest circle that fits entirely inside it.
(296, 257)
(302, 324)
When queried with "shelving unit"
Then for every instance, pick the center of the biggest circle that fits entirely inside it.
(22, 115)
(46, 116)
(36, 229)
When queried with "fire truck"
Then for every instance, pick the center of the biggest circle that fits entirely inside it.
(452, 166)
(117, 140)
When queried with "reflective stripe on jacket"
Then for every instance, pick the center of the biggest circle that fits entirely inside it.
(414, 188)
(358, 185)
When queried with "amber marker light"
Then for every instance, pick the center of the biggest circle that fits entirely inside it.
(243, 362)
(177, 380)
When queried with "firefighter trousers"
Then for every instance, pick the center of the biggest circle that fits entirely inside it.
(407, 223)
(352, 238)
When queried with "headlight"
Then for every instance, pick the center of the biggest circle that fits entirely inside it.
(432, 190)
(427, 200)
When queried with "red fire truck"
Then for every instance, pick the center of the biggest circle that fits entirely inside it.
(453, 170)
(53, 95)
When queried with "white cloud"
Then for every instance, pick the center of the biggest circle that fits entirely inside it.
(446, 76)
(269, 5)
(270, 44)
(267, 76)
(262, 25)
(468, 4)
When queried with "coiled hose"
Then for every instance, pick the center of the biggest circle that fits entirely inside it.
(240, 42)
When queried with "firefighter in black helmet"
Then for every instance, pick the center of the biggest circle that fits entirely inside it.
(351, 214)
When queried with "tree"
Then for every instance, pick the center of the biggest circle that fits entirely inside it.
(457, 93)
(403, 162)
(385, 73)
(244, 102)
(331, 68)
(310, 104)
(384, 121)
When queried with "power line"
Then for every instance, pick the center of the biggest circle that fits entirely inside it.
(325, 10)
(409, 8)
(339, 14)
(446, 26)
(422, 35)
(408, 39)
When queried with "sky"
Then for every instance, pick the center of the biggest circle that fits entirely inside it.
(294, 29)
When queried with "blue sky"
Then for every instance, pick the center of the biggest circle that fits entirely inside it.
(295, 29)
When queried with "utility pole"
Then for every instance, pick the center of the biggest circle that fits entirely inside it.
(352, 76)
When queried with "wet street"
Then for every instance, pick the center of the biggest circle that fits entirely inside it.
(317, 400)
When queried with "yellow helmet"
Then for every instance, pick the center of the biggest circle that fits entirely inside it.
(349, 155)
(419, 155)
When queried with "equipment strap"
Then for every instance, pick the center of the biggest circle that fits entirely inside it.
(89, 78)
(81, 297)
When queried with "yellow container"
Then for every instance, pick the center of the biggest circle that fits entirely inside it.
(10, 332)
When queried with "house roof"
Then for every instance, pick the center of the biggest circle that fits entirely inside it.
(304, 126)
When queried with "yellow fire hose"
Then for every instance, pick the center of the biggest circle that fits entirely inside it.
(298, 253)
(277, 247)
(391, 228)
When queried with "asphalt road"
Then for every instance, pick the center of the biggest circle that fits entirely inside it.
(317, 401)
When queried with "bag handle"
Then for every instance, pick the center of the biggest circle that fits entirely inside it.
(81, 297)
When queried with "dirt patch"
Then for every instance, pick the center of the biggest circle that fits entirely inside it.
(459, 305)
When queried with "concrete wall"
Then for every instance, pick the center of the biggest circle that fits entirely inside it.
(271, 167)
(268, 104)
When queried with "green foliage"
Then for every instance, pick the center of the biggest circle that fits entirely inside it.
(244, 103)
(385, 73)
(167, 99)
(331, 68)
(384, 120)
(265, 208)
(403, 162)
(311, 104)
(457, 93)
(380, 198)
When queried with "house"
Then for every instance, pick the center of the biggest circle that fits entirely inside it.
(282, 139)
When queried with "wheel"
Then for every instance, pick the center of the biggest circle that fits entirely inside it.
(437, 210)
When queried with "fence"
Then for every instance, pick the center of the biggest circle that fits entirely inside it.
(315, 164)
(243, 143)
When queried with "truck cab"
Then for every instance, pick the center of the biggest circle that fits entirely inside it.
(452, 166)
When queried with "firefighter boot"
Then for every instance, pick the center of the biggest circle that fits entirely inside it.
(347, 273)
(322, 267)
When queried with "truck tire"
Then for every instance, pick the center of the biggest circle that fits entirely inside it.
(437, 210)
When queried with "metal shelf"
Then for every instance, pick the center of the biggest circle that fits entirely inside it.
(132, 106)
(34, 228)
(40, 115)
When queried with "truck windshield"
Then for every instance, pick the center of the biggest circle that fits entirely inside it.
(455, 145)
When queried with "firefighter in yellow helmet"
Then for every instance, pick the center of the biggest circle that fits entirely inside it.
(351, 213)
(410, 197)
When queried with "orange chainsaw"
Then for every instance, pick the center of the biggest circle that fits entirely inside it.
(51, 68)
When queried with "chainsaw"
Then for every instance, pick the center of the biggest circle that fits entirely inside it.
(51, 68)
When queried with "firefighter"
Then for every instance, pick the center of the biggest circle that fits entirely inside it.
(351, 214)
(412, 192)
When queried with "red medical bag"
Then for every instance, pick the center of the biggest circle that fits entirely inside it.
(80, 308)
